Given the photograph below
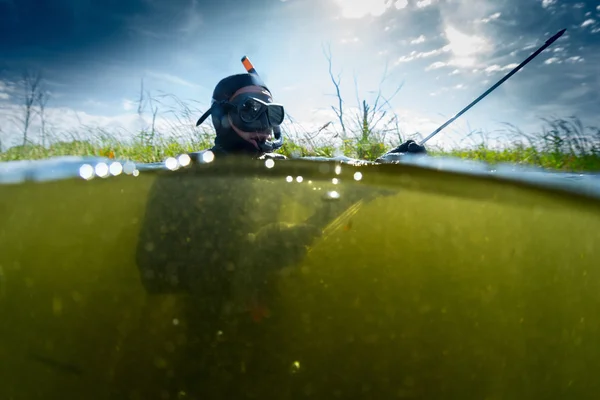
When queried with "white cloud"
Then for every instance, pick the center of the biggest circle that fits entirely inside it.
(400, 4)
(4, 96)
(414, 55)
(553, 60)
(548, 3)
(362, 8)
(492, 17)
(128, 105)
(498, 68)
(575, 59)
(418, 40)
(587, 22)
(465, 47)
(436, 65)
(350, 40)
(423, 3)
(356, 9)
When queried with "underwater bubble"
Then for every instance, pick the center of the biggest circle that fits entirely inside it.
(299, 179)
(357, 176)
(115, 168)
(208, 156)
(175, 321)
(289, 179)
(184, 160)
(86, 171)
(101, 170)
(295, 367)
(171, 163)
(338, 169)
(335, 181)
(269, 163)
(136, 172)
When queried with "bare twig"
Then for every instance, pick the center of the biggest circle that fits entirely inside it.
(339, 111)
(30, 86)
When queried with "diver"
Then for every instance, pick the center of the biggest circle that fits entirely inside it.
(245, 118)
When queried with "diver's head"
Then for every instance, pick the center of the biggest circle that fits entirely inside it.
(244, 115)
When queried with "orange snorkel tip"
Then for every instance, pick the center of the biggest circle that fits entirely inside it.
(248, 65)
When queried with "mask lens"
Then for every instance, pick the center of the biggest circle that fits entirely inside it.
(250, 110)
(276, 114)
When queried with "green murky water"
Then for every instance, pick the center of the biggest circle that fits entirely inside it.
(228, 281)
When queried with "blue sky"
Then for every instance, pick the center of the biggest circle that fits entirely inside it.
(444, 53)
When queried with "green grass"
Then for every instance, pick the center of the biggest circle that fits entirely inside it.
(561, 144)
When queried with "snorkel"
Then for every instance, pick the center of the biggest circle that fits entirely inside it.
(266, 146)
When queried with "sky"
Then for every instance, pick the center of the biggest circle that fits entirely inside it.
(441, 54)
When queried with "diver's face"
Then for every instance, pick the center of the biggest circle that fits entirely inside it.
(253, 137)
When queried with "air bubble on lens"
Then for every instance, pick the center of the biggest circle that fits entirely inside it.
(101, 170)
(115, 168)
(171, 163)
(129, 167)
(208, 156)
(86, 171)
(332, 195)
(184, 160)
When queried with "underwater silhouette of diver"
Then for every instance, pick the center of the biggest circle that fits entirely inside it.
(185, 214)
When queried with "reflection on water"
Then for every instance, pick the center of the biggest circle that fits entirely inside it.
(296, 279)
